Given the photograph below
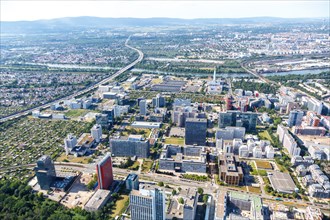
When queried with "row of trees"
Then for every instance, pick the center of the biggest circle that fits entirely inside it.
(253, 86)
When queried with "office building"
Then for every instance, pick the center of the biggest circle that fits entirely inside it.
(69, 143)
(243, 151)
(146, 124)
(230, 133)
(45, 172)
(195, 132)
(143, 107)
(147, 204)
(309, 130)
(229, 169)
(102, 119)
(96, 132)
(181, 113)
(269, 150)
(98, 200)
(134, 145)
(104, 172)
(250, 204)
(188, 159)
(181, 102)
(282, 182)
(158, 101)
(295, 118)
(132, 182)
(312, 119)
(248, 120)
(190, 205)
(257, 152)
(287, 141)
(119, 110)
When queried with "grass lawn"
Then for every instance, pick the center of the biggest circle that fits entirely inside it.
(146, 166)
(139, 131)
(73, 159)
(174, 140)
(156, 81)
(135, 165)
(254, 189)
(264, 135)
(263, 165)
(119, 206)
(73, 113)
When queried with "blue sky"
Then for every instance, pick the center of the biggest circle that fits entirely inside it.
(46, 9)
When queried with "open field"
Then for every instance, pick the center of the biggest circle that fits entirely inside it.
(136, 131)
(173, 140)
(146, 166)
(263, 165)
(73, 113)
(135, 166)
(73, 159)
(254, 189)
(119, 206)
(264, 135)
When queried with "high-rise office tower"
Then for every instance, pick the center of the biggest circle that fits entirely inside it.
(295, 118)
(147, 204)
(248, 120)
(45, 172)
(158, 101)
(195, 132)
(143, 107)
(96, 132)
(69, 142)
(104, 172)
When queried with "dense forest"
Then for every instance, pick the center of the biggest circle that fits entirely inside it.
(254, 86)
(19, 202)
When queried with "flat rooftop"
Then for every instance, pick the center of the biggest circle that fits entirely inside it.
(97, 199)
(282, 182)
(85, 139)
(144, 123)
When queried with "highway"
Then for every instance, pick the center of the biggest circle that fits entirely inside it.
(81, 92)
(262, 78)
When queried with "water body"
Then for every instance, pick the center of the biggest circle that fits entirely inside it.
(296, 72)
(74, 66)
(223, 75)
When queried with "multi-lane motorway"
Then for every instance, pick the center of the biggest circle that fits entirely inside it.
(81, 92)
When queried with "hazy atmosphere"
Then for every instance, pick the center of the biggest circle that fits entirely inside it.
(34, 10)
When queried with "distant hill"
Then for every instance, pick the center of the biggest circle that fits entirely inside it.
(79, 23)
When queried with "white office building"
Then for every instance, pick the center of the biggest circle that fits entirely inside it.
(147, 204)
(96, 132)
(243, 151)
(69, 142)
(257, 152)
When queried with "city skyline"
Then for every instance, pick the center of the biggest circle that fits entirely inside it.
(37, 10)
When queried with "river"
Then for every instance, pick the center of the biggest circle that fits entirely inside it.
(224, 75)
